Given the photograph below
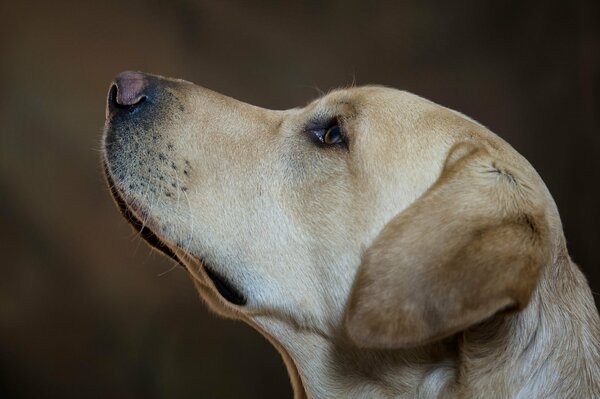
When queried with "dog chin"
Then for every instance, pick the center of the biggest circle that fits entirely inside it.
(222, 285)
(131, 216)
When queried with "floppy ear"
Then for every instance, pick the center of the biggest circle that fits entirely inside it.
(471, 246)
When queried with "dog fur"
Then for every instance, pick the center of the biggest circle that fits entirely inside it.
(423, 257)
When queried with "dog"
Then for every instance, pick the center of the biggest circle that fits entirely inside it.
(385, 245)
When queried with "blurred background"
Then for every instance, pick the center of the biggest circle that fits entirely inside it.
(86, 310)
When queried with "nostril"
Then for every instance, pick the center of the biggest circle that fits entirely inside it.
(112, 94)
(128, 90)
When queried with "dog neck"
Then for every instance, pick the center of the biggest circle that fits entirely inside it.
(340, 370)
(549, 349)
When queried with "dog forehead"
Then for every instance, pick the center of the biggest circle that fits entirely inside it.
(372, 96)
(383, 116)
(388, 121)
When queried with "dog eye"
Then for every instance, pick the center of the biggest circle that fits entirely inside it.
(333, 135)
(327, 132)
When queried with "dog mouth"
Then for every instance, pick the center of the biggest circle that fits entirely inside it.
(143, 230)
(222, 285)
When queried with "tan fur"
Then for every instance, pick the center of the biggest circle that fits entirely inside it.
(425, 260)
(472, 245)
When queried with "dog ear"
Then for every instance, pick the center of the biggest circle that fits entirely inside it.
(471, 246)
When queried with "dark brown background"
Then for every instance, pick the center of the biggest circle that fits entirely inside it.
(87, 311)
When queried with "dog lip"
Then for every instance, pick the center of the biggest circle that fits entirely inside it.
(143, 230)
(224, 287)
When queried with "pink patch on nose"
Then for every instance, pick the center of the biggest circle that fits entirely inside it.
(130, 87)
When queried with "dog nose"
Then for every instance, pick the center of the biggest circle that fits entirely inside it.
(129, 90)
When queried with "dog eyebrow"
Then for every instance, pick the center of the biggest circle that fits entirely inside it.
(339, 110)
(320, 122)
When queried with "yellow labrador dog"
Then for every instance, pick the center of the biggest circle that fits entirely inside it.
(387, 246)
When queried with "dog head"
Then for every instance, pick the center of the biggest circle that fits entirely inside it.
(370, 213)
